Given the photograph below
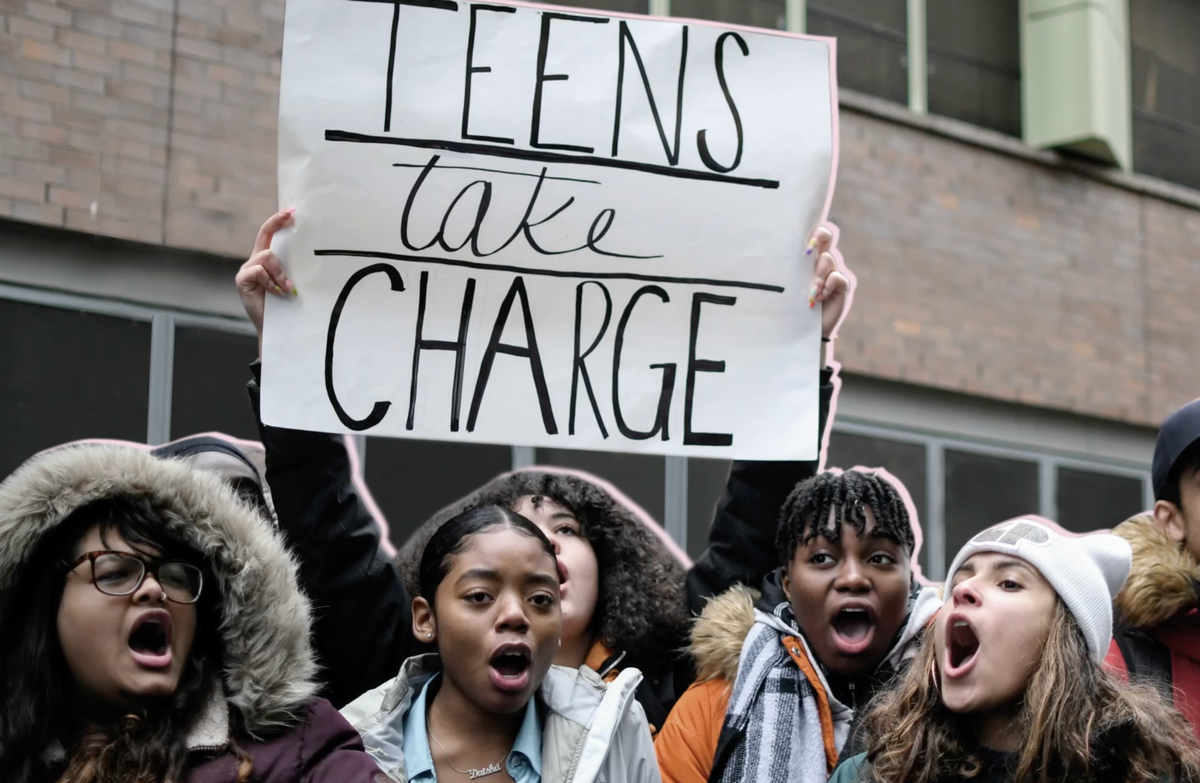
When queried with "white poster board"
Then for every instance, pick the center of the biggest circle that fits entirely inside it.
(548, 227)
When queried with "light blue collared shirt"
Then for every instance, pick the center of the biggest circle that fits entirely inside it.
(524, 761)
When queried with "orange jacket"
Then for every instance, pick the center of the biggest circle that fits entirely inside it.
(688, 741)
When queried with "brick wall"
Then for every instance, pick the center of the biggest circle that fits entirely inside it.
(164, 121)
(979, 271)
(994, 275)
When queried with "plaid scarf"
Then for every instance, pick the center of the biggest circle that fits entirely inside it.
(772, 730)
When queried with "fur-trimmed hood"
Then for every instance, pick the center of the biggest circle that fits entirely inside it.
(269, 664)
(718, 634)
(1163, 580)
(642, 582)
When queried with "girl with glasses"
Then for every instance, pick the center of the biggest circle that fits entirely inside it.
(152, 631)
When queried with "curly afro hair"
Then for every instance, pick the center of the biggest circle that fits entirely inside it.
(805, 515)
(642, 605)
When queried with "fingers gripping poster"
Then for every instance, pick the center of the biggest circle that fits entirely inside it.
(549, 227)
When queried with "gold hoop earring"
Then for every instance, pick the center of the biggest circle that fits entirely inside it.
(933, 677)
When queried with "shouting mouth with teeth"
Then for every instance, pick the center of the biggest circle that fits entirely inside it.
(508, 667)
(150, 640)
(854, 628)
(962, 647)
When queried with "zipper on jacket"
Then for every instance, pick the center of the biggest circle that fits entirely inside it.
(853, 697)
(611, 664)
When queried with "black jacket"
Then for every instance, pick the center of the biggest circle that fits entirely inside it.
(363, 612)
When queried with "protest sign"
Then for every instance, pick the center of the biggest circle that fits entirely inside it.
(540, 226)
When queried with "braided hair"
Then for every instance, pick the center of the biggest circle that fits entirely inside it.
(806, 513)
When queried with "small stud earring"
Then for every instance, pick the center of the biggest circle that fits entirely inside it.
(429, 635)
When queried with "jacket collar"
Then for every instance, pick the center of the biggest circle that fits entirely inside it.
(210, 731)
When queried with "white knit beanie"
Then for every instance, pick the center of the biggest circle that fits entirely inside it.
(1085, 571)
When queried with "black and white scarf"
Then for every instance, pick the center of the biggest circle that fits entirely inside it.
(773, 727)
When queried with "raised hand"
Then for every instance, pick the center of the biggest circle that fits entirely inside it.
(830, 287)
(263, 271)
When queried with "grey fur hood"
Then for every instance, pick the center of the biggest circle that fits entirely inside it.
(269, 664)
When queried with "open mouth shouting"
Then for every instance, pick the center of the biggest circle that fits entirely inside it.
(509, 666)
(150, 640)
(962, 647)
(853, 627)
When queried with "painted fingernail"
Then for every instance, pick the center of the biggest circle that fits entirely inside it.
(812, 244)
(290, 210)
(295, 292)
(278, 290)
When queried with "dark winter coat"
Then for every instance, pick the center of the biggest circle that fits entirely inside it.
(363, 628)
(265, 700)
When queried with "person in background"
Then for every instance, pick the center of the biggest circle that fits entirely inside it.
(627, 599)
(152, 629)
(785, 672)
(490, 702)
(1009, 687)
(1157, 638)
(221, 457)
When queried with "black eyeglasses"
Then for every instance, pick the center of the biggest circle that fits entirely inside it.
(120, 574)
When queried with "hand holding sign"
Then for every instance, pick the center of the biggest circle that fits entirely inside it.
(263, 272)
(545, 228)
(830, 288)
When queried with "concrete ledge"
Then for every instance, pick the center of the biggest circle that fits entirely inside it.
(118, 270)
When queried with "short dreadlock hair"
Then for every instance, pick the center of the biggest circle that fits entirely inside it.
(805, 515)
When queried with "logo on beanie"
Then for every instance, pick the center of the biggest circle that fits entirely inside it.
(1013, 533)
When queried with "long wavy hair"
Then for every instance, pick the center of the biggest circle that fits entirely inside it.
(1077, 723)
(43, 735)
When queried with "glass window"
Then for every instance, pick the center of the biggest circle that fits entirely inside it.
(67, 375)
(755, 13)
(641, 477)
(1166, 89)
(974, 56)
(872, 48)
(706, 484)
(620, 6)
(208, 393)
(1090, 501)
(982, 490)
(905, 461)
(411, 480)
